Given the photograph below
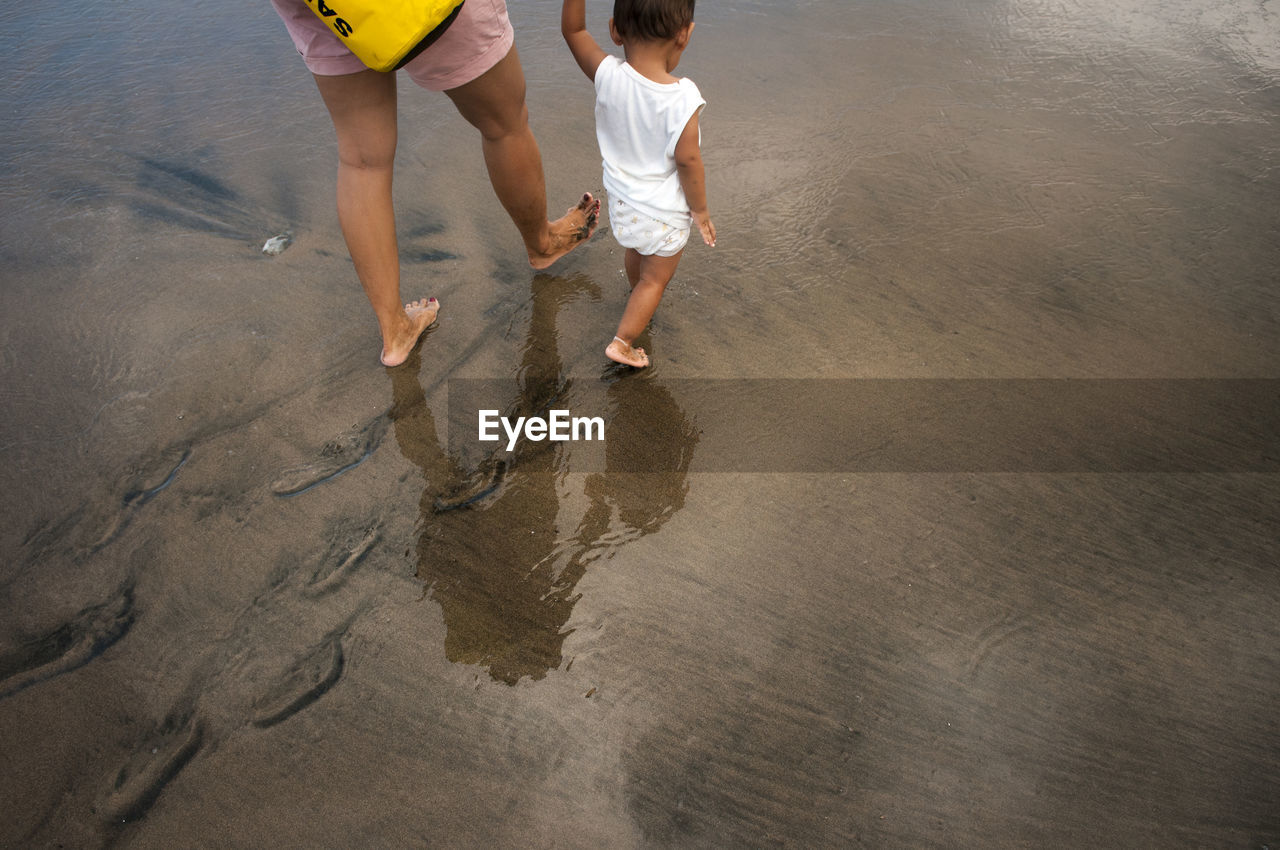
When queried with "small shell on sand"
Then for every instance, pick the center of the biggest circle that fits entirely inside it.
(276, 244)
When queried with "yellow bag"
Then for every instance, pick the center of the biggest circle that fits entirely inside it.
(385, 34)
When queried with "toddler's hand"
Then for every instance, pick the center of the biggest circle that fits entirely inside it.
(706, 228)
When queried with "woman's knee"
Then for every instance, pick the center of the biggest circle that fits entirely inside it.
(363, 155)
(496, 117)
(362, 107)
(510, 124)
(494, 103)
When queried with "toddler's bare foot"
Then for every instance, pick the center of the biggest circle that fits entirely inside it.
(620, 352)
(419, 314)
(568, 232)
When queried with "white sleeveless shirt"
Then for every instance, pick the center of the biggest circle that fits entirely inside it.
(638, 123)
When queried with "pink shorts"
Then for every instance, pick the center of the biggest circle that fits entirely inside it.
(477, 40)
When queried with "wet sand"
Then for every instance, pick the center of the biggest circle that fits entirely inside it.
(251, 595)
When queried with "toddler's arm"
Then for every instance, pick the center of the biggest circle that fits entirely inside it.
(573, 26)
(693, 179)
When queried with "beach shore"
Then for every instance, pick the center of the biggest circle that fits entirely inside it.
(255, 593)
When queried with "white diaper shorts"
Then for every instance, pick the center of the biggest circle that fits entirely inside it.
(644, 233)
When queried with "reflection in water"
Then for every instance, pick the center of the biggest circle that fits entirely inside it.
(495, 561)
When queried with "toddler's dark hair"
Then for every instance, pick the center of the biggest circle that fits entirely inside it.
(651, 20)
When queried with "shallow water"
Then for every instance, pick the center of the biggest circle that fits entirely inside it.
(250, 577)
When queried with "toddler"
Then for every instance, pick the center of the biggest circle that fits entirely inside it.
(647, 127)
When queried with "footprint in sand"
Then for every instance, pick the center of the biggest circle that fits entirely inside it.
(342, 559)
(67, 647)
(144, 484)
(158, 759)
(309, 679)
(336, 457)
(474, 489)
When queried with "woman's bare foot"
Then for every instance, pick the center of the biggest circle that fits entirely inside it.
(621, 352)
(418, 316)
(568, 232)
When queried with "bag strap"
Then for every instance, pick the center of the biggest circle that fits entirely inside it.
(430, 37)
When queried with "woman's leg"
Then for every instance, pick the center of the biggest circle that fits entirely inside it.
(494, 104)
(363, 109)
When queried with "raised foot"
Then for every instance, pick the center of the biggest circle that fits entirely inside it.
(568, 232)
(419, 315)
(622, 352)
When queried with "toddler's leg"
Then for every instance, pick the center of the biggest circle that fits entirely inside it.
(652, 274)
(632, 265)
